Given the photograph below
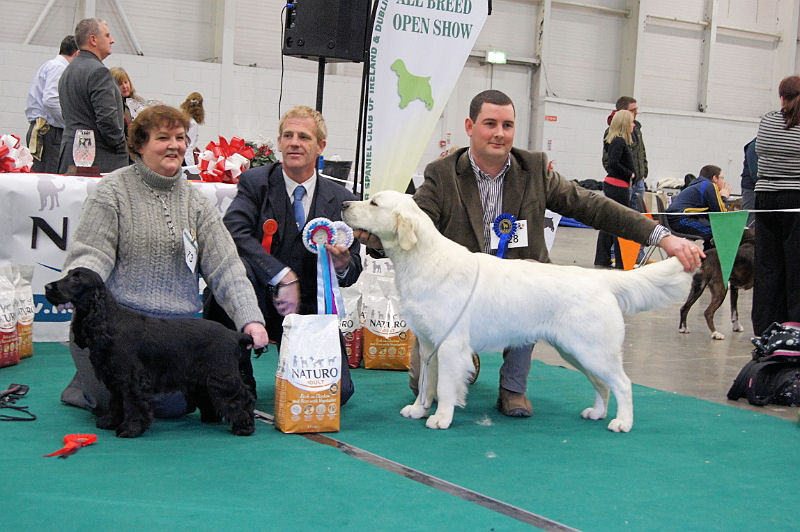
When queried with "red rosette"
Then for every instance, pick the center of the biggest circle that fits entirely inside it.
(73, 442)
(13, 157)
(222, 162)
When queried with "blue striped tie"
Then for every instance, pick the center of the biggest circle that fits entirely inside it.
(297, 205)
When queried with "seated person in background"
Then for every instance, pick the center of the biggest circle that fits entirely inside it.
(706, 193)
(137, 229)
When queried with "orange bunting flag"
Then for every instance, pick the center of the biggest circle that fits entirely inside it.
(629, 250)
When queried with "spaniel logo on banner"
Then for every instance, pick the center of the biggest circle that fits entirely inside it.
(417, 52)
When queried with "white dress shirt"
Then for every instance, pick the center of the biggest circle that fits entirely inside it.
(310, 185)
(43, 97)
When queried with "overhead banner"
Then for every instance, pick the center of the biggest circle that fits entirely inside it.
(417, 52)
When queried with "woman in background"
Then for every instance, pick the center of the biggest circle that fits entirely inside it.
(616, 185)
(133, 104)
(193, 107)
(776, 288)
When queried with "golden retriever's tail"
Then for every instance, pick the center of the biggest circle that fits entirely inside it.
(650, 287)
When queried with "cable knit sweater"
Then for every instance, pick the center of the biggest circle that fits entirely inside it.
(124, 235)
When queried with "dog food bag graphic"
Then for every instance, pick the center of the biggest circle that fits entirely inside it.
(387, 340)
(9, 338)
(350, 325)
(308, 379)
(23, 295)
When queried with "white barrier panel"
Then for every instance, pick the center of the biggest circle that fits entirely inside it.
(38, 215)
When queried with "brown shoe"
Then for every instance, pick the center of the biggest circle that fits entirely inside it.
(476, 361)
(514, 404)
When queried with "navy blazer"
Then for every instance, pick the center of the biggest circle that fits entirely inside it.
(261, 195)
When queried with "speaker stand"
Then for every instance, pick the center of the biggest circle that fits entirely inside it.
(320, 82)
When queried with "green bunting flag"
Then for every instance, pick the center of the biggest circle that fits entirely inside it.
(727, 228)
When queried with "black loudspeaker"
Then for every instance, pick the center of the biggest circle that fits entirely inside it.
(334, 29)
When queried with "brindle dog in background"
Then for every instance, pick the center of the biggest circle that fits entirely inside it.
(710, 274)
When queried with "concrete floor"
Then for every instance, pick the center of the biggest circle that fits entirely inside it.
(657, 355)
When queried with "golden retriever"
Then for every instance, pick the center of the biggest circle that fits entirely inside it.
(457, 302)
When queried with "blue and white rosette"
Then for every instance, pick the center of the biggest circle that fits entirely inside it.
(504, 227)
(316, 234)
(343, 234)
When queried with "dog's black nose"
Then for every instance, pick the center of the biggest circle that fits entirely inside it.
(345, 205)
(48, 287)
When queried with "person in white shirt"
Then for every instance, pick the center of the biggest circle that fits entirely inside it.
(43, 109)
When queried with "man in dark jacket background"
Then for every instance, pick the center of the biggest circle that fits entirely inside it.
(90, 99)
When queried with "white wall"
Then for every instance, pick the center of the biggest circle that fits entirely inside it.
(677, 143)
(583, 72)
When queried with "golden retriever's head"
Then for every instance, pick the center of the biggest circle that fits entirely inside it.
(391, 216)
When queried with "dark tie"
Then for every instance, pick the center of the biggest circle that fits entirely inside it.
(297, 205)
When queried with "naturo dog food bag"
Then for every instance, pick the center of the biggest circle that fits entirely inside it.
(350, 324)
(386, 336)
(308, 379)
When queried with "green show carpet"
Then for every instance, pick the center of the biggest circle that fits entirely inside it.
(687, 464)
(184, 475)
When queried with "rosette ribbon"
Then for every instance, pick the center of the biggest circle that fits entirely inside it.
(224, 162)
(270, 227)
(504, 227)
(13, 157)
(316, 234)
(73, 442)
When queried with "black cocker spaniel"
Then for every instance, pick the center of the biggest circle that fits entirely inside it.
(137, 356)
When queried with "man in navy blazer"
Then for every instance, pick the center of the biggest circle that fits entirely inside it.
(285, 279)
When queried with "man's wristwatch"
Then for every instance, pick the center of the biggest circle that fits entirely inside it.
(273, 288)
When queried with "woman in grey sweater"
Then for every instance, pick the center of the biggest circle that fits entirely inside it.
(150, 235)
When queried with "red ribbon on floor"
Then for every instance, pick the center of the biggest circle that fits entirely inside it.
(73, 442)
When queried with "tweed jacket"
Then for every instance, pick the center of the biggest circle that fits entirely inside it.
(450, 196)
(90, 99)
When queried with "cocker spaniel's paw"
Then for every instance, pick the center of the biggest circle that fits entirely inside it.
(131, 429)
(245, 429)
(107, 422)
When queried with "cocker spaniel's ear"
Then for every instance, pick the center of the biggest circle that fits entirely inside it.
(95, 324)
(406, 233)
